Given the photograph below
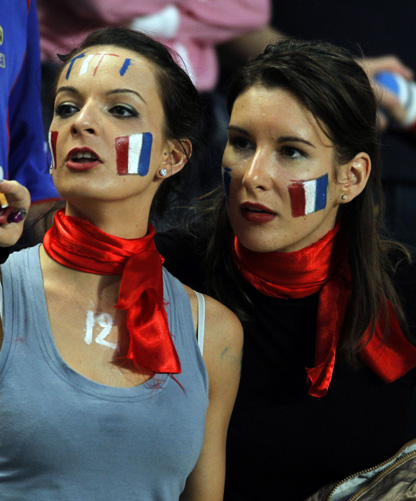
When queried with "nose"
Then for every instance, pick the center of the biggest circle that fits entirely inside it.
(86, 121)
(257, 176)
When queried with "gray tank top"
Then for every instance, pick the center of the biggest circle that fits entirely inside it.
(66, 437)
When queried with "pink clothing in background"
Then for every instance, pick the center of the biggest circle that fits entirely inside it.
(191, 27)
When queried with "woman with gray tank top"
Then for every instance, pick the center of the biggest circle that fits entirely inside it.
(104, 391)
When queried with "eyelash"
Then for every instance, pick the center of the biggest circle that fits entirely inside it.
(242, 143)
(62, 110)
(132, 113)
(65, 110)
(284, 150)
(236, 142)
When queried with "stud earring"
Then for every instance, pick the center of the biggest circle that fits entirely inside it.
(50, 169)
(163, 172)
(344, 197)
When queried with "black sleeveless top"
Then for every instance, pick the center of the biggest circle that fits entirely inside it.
(284, 444)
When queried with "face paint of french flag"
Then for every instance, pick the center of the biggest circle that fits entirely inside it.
(52, 138)
(308, 196)
(133, 154)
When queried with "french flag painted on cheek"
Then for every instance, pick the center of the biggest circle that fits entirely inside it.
(52, 138)
(308, 196)
(133, 154)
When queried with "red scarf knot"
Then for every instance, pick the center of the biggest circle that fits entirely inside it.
(77, 244)
(323, 267)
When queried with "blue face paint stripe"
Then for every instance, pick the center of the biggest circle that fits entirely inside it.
(321, 189)
(71, 63)
(125, 66)
(144, 160)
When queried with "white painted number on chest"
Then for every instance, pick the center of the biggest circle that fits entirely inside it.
(103, 320)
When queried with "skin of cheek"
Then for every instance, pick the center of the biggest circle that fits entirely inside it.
(308, 196)
(133, 154)
(52, 139)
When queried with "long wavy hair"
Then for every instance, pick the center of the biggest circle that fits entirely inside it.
(336, 90)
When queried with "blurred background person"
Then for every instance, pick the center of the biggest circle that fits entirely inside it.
(22, 142)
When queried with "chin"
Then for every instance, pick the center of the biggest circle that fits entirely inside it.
(254, 244)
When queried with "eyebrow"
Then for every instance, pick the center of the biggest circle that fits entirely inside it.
(281, 139)
(294, 139)
(124, 91)
(68, 88)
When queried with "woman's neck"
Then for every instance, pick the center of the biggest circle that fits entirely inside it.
(88, 282)
(115, 219)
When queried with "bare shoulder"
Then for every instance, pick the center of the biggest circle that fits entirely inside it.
(223, 326)
(223, 334)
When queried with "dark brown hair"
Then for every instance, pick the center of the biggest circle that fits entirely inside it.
(336, 90)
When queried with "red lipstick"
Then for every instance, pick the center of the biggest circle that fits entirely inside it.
(82, 159)
(256, 213)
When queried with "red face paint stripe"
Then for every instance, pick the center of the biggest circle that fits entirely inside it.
(122, 155)
(102, 54)
(297, 199)
(54, 138)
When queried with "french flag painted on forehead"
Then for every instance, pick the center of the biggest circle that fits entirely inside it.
(133, 154)
(52, 137)
(309, 196)
(85, 63)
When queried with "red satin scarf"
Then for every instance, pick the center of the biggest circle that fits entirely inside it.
(317, 268)
(77, 244)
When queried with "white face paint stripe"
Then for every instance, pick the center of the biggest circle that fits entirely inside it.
(85, 64)
(135, 148)
(310, 195)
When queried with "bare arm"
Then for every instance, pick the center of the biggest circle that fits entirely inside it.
(222, 356)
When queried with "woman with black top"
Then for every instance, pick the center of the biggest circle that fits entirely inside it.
(327, 375)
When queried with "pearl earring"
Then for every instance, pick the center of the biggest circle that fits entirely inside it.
(344, 197)
(163, 172)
